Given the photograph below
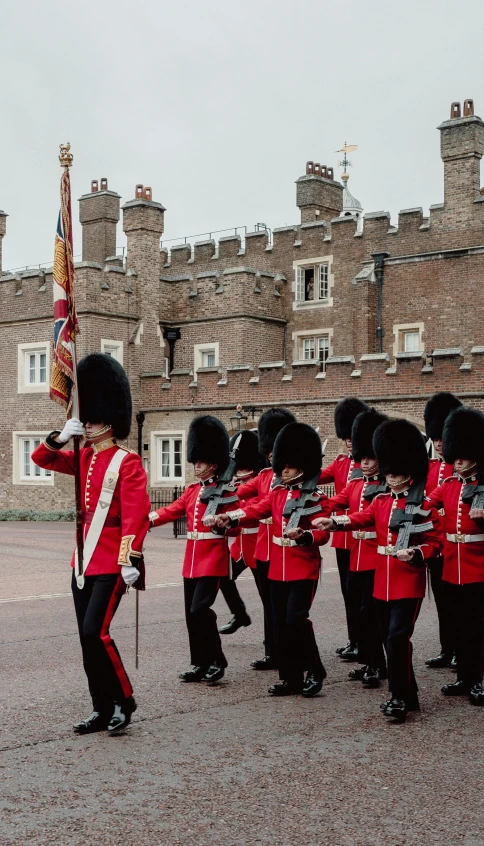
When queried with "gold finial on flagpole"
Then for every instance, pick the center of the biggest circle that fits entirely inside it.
(65, 157)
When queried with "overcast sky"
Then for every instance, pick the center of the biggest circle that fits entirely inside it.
(218, 105)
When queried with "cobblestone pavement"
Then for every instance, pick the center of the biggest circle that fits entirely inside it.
(221, 765)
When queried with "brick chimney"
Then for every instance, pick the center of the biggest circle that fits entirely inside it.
(462, 147)
(143, 223)
(318, 195)
(3, 229)
(99, 214)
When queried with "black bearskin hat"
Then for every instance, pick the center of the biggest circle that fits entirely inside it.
(104, 393)
(436, 412)
(270, 424)
(247, 456)
(362, 433)
(298, 445)
(399, 448)
(208, 440)
(463, 436)
(344, 415)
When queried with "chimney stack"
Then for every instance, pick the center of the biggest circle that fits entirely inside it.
(99, 214)
(3, 229)
(317, 194)
(462, 147)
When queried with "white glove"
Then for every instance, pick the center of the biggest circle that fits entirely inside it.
(73, 427)
(129, 574)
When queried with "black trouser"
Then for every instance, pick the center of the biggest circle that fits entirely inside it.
(343, 562)
(397, 619)
(363, 612)
(229, 589)
(443, 605)
(203, 636)
(467, 602)
(296, 648)
(95, 607)
(263, 586)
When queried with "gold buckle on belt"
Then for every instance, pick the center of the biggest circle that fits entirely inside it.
(194, 536)
(285, 542)
(389, 550)
(360, 536)
(460, 538)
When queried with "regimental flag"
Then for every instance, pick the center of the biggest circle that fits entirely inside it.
(65, 318)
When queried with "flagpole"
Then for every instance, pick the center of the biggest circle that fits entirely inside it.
(66, 159)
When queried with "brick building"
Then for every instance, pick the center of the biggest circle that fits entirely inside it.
(338, 304)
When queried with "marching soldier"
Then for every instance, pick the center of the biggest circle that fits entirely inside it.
(206, 555)
(461, 496)
(248, 462)
(115, 505)
(436, 411)
(408, 535)
(339, 472)
(270, 424)
(363, 487)
(295, 559)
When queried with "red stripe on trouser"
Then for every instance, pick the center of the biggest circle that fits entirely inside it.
(108, 643)
(409, 662)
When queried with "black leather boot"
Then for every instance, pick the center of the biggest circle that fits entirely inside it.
(284, 689)
(458, 688)
(95, 722)
(215, 672)
(341, 649)
(235, 623)
(266, 663)
(358, 673)
(122, 715)
(396, 708)
(312, 685)
(350, 653)
(195, 674)
(372, 677)
(476, 694)
(442, 660)
(453, 663)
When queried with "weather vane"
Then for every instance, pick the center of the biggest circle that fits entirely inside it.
(345, 164)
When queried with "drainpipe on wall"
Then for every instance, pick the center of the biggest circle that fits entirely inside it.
(379, 259)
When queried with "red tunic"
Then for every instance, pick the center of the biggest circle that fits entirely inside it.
(243, 547)
(339, 472)
(396, 579)
(464, 561)
(438, 471)
(130, 504)
(363, 553)
(207, 555)
(290, 563)
(259, 488)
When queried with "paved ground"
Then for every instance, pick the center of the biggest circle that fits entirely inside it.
(223, 765)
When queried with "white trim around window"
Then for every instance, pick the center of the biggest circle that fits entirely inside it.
(205, 355)
(24, 471)
(304, 341)
(113, 348)
(167, 458)
(33, 369)
(322, 283)
(408, 337)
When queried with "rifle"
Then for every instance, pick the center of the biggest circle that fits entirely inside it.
(402, 519)
(214, 497)
(294, 509)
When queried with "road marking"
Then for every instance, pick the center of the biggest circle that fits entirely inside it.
(34, 597)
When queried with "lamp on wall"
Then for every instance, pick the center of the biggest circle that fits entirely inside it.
(238, 421)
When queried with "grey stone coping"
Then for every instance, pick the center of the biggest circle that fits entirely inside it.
(207, 274)
(311, 177)
(234, 270)
(479, 200)
(100, 194)
(118, 259)
(279, 277)
(466, 366)
(192, 385)
(416, 210)
(391, 371)
(347, 218)
(152, 374)
(321, 375)
(340, 359)
(208, 243)
(220, 289)
(314, 224)
(449, 124)
(165, 386)
(407, 356)
(181, 371)
(284, 229)
(427, 368)
(19, 292)
(193, 293)
(222, 382)
(3, 214)
(477, 351)
(375, 357)
(376, 215)
(436, 206)
(26, 275)
(229, 238)
(271, 365)
(148, 203)
(306, 362)
(177, 247)
(286, 378)
(448, 352)
(254, 380)
(393, 230)
(260, 233)
(181, 277)
(235, 367)
(297, 244)
(356, 373)
(94, 264)
(131, 272)
(208, 369)
(113, 268)
(266, 274)
(425, 225)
